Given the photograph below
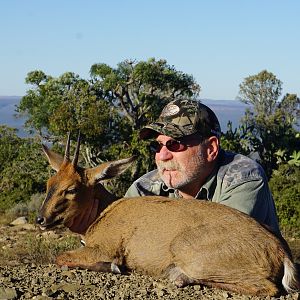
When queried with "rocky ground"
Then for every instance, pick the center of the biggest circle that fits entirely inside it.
(23, 275)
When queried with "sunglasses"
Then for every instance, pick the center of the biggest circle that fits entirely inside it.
(171, 145)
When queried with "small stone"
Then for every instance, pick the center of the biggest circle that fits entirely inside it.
(225, 295)
(64, 268)
(19, 221)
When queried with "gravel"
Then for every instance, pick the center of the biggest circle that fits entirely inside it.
(25, 279)
(50, 282)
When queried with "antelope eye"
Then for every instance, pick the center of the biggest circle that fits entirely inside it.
(71, 190)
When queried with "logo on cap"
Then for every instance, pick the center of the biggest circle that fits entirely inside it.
(170, 110)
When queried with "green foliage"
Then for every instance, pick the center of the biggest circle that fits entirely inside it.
(108, 109)
(23, 168)
(239, 140)
(66, 103)
(144, 163)
(8, 146)
(139, 90)
(269, 122)
(285, 187)
(295, 159)
(262, 91)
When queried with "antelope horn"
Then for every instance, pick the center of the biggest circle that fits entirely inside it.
(67, 151)
(76, 155)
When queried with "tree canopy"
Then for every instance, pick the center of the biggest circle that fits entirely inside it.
(67, 103)
(262, 91)
(139, 90)
(269, 124)
(108, 109)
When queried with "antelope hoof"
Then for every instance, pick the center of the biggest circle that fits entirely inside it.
(178, 277)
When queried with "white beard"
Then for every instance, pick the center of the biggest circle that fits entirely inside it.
(186, 173)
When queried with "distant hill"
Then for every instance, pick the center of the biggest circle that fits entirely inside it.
(225, 110)
(7, 113)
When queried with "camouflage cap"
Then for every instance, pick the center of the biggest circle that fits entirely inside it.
(184, 117)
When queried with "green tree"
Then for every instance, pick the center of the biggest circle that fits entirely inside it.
(139, 90)
(55, 106)
(109, 109)
(269, 121)
(262, 91)
(68, 103)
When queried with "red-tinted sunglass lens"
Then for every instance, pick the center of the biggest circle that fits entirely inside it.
(174, 146)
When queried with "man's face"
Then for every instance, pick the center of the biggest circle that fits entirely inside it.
(181, 169)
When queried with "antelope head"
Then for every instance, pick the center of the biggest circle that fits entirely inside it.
(72, 196)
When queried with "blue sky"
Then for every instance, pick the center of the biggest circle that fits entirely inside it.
(218, 42)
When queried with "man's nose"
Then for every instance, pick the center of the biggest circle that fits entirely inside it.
(164, 154)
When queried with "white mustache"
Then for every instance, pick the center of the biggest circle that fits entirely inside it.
(168, 165)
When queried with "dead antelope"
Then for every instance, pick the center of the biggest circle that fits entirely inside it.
(187, 241)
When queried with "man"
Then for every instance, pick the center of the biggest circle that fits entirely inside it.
(191, 164)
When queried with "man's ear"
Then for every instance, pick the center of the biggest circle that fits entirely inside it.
(213, 146)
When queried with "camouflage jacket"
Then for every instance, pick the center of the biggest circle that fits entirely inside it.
(237, 181)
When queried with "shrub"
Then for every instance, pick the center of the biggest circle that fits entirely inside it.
(27, 209)
(23, 169)
(285, 187)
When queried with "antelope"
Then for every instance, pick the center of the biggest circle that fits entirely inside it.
(187, 241)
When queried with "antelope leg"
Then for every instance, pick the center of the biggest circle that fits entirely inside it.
(91, 259)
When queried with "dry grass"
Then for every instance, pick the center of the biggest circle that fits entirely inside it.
(6, 219)
(26, 244)
(42, 250)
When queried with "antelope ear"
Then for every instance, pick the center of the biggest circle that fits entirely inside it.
(111, 169)
(55, 160)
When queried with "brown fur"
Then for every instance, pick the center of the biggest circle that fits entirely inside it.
(188, 241)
